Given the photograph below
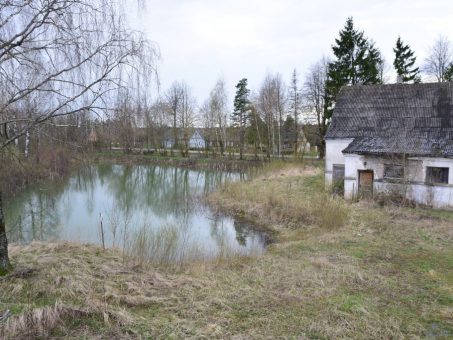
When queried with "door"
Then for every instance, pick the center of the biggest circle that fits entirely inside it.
(366, 178)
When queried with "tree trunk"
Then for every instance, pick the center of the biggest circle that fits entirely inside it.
(241, 143)
(4, 260)
(296, 134)
(322, 149)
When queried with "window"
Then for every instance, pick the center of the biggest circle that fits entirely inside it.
(338, 178)
(436, 175)
(393, 171)
(338, 172)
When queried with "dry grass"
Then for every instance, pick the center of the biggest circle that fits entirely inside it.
(70, 279)
(381, 273)
(291, 196)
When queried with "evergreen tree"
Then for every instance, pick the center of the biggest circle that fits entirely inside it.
(448, 76)
(358, 61)
(404, 63)
(240, 113)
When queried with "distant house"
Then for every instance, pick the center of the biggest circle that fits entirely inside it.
(393, 138)
(288, 139)
(197, 141)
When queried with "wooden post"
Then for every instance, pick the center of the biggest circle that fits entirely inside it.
(102, 231)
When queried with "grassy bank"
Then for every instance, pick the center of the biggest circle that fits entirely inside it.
(337, 270)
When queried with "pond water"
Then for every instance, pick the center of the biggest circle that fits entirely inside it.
(140, 206)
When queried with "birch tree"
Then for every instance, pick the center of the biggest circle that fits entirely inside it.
(314, 95)
(272, 105)
(295, 105)
(215, 115)
(439, 60)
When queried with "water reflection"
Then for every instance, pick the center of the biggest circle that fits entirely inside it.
(126, 200)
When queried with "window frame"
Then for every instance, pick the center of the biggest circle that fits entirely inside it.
(444, 178)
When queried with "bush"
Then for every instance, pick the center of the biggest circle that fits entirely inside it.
(394, 198)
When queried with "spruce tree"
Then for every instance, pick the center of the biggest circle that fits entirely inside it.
(357, 62)
(404, 63)
(240, 113)
(448, 75)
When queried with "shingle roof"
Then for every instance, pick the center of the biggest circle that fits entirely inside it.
(414, 119)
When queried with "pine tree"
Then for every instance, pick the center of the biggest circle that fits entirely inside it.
(357, 62)
(448, 76)
(240, 113)
(404, 62)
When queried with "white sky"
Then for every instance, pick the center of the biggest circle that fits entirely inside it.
(201, 40)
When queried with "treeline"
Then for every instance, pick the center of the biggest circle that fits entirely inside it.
(277, 118)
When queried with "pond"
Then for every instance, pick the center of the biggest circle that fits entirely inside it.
(154, 210)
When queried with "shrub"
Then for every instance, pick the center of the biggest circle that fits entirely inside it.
(393, 197)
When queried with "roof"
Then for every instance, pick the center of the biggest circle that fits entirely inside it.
(413, 119)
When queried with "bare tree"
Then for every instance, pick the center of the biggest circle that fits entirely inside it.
(439, 59)
(265, 105)
(186, 116)
(156, 121)
(384, 69)
(314, 93)
(68, 57)
(280, 106)
(215, 114)
(271, 103)
(173, 98)
(295, 105)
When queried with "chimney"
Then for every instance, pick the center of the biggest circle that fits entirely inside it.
(399, 79)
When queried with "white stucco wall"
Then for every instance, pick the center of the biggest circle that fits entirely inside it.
(334, 155)
(414, 188)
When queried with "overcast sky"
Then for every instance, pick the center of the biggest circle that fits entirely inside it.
(201, 40)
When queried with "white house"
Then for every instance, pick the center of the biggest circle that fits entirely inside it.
(393, 138)
(197, 141)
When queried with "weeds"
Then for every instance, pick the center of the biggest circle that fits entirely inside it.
(167, 248)
(329, 212)
(292, 196)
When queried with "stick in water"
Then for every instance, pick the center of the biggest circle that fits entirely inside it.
(102, 231)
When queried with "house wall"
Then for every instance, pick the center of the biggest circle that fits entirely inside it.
(413, 187)
(334, 155)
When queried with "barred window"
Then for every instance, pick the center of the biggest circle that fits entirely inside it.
(437, 175)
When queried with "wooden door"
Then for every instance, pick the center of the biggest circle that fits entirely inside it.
(366, 178)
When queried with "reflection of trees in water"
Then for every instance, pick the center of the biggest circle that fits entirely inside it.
(35, 218)
(243, 232)
(218, 231)
(165, 192)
